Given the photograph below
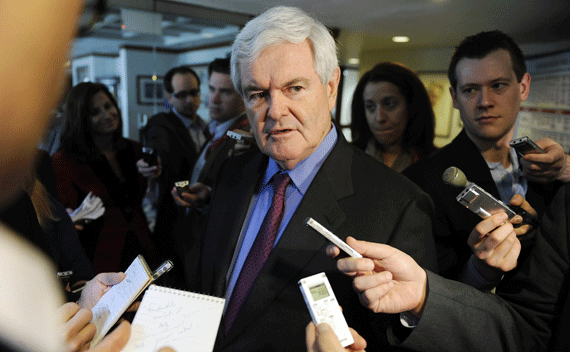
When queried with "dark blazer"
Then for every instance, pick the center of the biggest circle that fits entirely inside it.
(167, 134)
(453, 222)
(352, 194)
(191, 223)
(458, 317)
(220, 153)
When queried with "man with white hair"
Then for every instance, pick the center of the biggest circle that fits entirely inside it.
(257, 246)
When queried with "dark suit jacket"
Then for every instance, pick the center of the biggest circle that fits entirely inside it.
(167, 134)
(191, 224)
(220, 153)
(458, 317)
(352, 194)
(453, 222)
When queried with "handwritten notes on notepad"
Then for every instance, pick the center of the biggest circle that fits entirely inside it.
(182, 320)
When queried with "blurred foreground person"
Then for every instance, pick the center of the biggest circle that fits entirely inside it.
(30, 293)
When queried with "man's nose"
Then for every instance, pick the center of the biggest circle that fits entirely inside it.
(215, 97)
(485, 97)
(277, 106)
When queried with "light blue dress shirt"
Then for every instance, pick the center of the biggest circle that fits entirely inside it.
(301, 177)
(509, 181)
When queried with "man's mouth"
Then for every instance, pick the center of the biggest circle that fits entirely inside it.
(279, 132)
(486, 118)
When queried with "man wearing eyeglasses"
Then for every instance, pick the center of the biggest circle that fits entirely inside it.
(177, 136)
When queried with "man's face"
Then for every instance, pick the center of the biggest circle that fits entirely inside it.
(224, 102)
(185, 97)
(488, 96)
(287, 105)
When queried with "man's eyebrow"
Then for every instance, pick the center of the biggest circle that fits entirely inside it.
(223, 89)
(296, 81)
(251, 87)
(495, 80)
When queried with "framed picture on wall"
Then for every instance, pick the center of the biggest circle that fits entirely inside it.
(82, 74)
(437, 86)
(149, 91)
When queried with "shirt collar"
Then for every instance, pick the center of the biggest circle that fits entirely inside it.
(218, 129)
(304, 172)
(514, 161)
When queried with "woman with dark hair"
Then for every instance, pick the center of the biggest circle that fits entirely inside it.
(94, 157)
(392, 117)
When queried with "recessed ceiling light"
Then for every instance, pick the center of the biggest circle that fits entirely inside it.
(400, 39)
(353, 61)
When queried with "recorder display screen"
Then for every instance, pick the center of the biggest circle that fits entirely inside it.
(319, 291)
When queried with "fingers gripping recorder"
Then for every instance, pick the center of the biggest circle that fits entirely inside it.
(480, 201)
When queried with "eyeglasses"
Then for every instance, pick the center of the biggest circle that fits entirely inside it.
(183, 94)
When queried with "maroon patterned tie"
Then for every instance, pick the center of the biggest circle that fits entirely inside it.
(260, 249)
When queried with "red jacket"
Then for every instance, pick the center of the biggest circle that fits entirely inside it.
(105, 237)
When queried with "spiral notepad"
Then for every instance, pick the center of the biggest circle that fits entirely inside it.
(179, 319)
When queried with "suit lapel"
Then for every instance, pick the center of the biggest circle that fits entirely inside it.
(182, 133)
(476, 169)
(222, 151)
(224, 241)
(299, 244)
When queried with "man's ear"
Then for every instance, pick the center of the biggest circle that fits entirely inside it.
(525, 86)
(453, 97)
(332, 88)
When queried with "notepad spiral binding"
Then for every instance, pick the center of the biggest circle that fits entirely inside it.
(175, 291)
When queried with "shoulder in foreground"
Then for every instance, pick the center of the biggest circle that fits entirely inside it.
(431, 165)
(372, 171)
(61, 156)
(239, 162)
(135, 144)
(159, 119)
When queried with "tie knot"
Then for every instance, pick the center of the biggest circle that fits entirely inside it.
(280, 182)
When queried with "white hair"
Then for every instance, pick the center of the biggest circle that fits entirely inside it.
(282, 24)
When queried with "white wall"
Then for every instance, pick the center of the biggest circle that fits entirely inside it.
(98, 66)
(132, 64)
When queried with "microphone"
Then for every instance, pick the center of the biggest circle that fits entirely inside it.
(481, 202)
(455, 177)
(474, 197)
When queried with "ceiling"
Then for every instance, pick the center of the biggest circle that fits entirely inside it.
(187, 24)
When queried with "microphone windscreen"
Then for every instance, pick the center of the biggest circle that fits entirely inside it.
(455, 177)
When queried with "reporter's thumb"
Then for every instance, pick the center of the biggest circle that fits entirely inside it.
(110, 279)
(327, 339)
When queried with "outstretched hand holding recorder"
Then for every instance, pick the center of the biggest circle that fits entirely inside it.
(494, 241)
